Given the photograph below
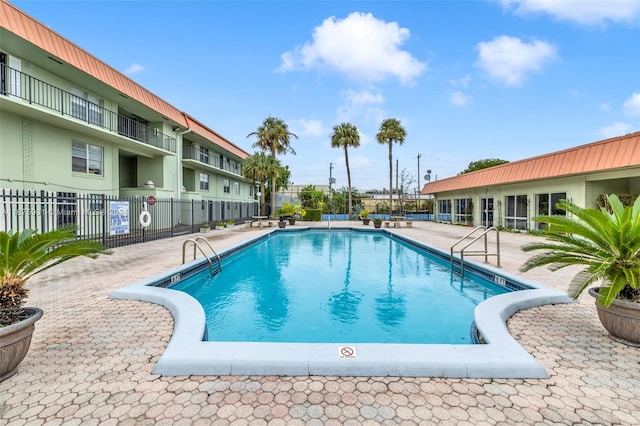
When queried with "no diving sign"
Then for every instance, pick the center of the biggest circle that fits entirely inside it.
(346, 352)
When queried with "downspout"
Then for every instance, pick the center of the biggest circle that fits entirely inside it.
(178, 196)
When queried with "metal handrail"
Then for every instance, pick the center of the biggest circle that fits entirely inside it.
(195, 244)
(484, 252)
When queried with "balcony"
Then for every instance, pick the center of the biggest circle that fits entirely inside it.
(29, 89)
(190, 153)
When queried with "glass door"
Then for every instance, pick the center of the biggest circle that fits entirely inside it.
(486, 211)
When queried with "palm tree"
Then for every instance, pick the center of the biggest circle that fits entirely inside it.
(607, 243)
(273, 137)
(391, 131)
(255, 167)
(27, 253)
(346, 135)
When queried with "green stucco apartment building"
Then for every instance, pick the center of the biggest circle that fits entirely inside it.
(511, 195)
(71, 126)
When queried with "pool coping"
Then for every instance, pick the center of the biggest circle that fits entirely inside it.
(500, 357)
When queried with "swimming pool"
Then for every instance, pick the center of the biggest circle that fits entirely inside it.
(323, 286)
(500, 357)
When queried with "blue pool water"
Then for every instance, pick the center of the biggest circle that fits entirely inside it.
(337, 286)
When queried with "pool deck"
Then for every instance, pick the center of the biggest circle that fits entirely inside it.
(91, 360)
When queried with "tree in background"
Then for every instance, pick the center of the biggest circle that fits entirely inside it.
(312, 198)
(391, 131)
(273, 137)
(255, 167)
(483, 164)
(346, 135)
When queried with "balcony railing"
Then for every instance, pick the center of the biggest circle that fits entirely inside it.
(20, 85)
(190, 153)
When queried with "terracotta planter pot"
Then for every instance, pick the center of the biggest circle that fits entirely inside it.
(282, 224)
(15, 340)
(621, 319)
(377, 224)
(365, 221)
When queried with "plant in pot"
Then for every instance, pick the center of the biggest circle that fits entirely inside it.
(607, 243)
(364, 216)
(23, 255)
(290, 212)
(204, 228)
(377, 222)
(220, 225)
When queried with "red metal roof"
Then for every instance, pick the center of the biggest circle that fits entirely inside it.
(608, 154)
(40, 35)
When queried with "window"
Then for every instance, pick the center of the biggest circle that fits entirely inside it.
(86, 158)
(226, 187)
(236, 188)
(546, 205)
(204, 182)
(204, 155)
(516, 212)
(464, 210)
(444, 210)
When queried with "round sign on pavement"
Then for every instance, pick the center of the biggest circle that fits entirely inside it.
(151, 200)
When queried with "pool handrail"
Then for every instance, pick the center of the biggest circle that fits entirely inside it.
(195, 244)
(484, 252)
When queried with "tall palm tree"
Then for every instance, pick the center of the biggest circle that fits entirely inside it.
(255, 167)
(346, 135)
(273, 137)
(391, 131)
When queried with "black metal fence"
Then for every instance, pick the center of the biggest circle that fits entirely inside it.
(115, 221)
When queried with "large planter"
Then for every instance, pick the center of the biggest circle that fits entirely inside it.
(282, 224)
(365, 221)
(621, 319)
(292, 220)
(15, 340)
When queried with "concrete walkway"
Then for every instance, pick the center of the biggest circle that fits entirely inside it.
(91, 359)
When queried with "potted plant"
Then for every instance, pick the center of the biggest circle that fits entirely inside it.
(204, 228)
(377, 222)
(364, 216)
(607, 243)
(230, 223)
(23, 255)
(291, 211)
(220, 225)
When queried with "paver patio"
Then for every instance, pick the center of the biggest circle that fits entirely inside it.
(91, 360)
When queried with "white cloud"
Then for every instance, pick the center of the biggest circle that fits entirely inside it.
(510, 60)
(606, 106)
(587, 12)
(361, 47)
(459, 99)
(632, 105)
(461, 82)
(134, 69)
(616, 129)
(310, 128)
(362, 103)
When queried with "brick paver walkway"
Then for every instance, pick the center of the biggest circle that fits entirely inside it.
(91, 361)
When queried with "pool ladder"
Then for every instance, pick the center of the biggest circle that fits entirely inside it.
(484, 252)
(212, 269)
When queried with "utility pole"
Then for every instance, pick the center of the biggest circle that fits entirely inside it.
(419, 189)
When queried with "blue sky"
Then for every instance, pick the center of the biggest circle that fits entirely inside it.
(469, 80)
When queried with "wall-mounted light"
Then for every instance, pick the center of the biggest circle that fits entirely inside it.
(176, 128)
